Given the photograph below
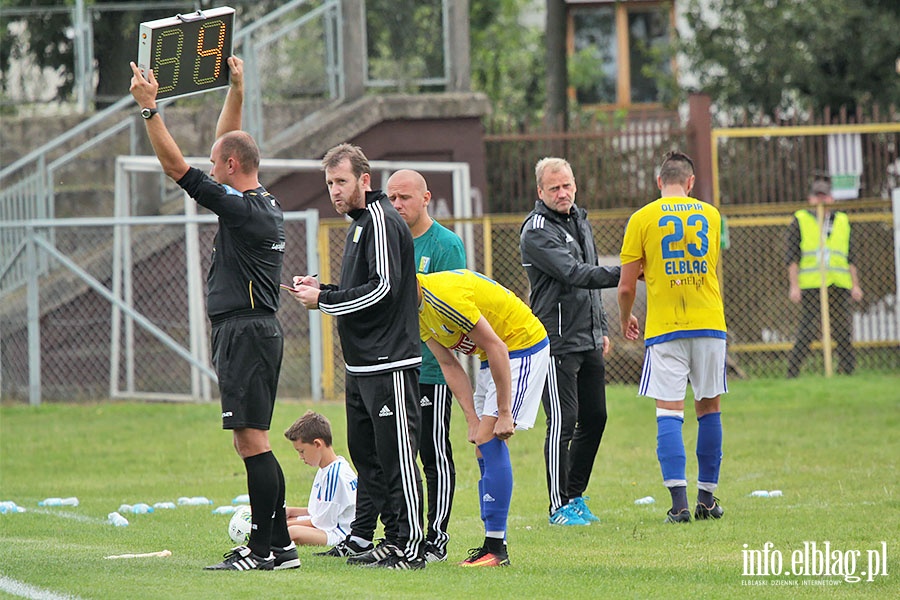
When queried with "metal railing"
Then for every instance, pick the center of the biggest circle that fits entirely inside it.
(29, 185)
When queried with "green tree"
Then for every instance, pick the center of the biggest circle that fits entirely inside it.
(404, 40)
(507, 60)
(46, 38)
(772, 56)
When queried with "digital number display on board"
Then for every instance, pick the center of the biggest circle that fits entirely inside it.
(188, 53)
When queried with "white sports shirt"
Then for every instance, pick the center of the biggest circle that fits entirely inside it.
(332, 499)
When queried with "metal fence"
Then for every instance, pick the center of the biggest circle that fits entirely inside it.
(77, 320)
(117, 308)
(120, 314)
(610, 157)
(762, 322)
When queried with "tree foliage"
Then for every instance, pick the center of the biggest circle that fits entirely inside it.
(46, 40)
(773, 56)
(404, 40)
(507, 60)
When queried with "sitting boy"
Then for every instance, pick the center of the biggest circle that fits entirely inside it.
(325, 521)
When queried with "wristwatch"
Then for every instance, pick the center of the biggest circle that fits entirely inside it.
(148, 112)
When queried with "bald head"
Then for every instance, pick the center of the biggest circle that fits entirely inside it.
(240, 146)
(408, 193)
(409, 178)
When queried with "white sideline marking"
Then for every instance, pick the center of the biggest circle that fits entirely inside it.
(23, 590)
(67, 515)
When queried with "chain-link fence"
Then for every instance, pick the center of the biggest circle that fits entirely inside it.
(90, 348)
(762, 321)
(119, 312)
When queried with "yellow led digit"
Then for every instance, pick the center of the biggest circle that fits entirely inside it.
(170, 46)
(174, 60)
(205, 52)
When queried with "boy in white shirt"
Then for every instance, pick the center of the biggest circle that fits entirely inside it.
(325, 521)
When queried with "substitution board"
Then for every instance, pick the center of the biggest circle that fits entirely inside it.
(188, 53)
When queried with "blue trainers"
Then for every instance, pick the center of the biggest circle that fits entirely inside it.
(580, 507)
(566, 515)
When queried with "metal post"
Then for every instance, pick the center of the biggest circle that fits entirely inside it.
(253, 109)
(352, 42)
(78, 19)
(128, 297)
(196, 318)
(34, 321)
(823, 291)
(895, 202)
(123, 198)
(315, 317)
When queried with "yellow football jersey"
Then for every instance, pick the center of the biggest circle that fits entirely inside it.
(454, 301)
(678, 240)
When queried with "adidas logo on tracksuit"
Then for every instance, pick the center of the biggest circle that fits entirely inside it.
(425, 401)
(385, 412)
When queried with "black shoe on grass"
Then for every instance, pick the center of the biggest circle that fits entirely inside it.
(709, 512)
(243, 559)
(287, 557)
(372, 555)
(345, 548)
(433, 553)
(682, 516)
(394, 558)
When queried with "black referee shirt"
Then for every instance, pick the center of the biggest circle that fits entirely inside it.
(248, 250)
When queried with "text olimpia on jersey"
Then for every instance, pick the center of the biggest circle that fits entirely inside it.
(681, 237)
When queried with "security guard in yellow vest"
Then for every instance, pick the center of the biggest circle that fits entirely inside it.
(804, 258)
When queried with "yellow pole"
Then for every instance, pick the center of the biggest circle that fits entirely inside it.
(327, 335)
(823, 291)
(716, 201)
(488, 248)
(714, 155)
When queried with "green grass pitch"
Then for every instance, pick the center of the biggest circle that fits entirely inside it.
(832, 447)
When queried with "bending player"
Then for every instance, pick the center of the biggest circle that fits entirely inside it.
(467, 312)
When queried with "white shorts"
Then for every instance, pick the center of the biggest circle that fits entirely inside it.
(668, 366)
(529, 372)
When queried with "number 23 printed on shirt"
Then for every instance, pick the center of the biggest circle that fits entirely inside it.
(678, 234)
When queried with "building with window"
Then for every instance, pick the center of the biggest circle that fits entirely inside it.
(615, 47)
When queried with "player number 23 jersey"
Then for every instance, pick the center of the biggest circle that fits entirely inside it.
(678, 240)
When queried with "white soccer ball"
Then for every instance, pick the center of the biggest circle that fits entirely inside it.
(240, 524)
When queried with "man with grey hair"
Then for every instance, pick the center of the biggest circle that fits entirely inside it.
(560, 257)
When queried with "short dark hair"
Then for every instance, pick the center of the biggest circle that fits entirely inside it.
(310, 427)
(359, 164)
(240, 145)
(676, 167)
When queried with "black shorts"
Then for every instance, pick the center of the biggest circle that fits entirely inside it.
(246, 354)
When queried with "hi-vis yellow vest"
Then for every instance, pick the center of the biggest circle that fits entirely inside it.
(837, 249)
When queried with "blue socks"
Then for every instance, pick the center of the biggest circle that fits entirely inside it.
(671, 455)
(709, 455)
(670, 450)
(496, 487)
(481, 487)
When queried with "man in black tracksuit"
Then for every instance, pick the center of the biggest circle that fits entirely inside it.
(560, 257)
(377, 318)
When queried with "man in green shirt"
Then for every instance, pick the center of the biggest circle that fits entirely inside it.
(436, 249)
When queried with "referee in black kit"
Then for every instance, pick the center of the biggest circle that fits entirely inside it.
(242, 298)
(378, 324)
